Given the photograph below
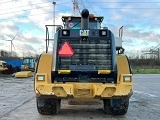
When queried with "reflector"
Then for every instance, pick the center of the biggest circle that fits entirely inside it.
(66, 50)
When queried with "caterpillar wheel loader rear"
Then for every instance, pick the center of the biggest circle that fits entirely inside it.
(86, 65)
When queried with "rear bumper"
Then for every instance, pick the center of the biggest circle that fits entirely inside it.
(84, 90)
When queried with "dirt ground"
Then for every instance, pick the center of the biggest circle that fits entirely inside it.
(17, 102)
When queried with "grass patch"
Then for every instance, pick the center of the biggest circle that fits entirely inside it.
(145, 71)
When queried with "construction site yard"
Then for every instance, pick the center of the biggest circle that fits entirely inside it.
(18, 102)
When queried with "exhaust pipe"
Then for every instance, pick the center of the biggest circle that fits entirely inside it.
(85, 19)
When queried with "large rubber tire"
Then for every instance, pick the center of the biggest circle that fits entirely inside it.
(48, 106)
(116, 106)
(106, 106)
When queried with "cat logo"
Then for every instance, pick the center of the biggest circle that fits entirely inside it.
(84, 33)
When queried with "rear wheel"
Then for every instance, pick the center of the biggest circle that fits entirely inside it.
(106, 106)
(116, 106)
(48, 106)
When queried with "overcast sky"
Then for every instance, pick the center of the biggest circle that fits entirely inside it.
(141, 21)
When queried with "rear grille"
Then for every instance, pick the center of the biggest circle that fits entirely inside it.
(95, 52)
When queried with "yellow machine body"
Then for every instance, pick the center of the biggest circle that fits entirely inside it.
(44, 87)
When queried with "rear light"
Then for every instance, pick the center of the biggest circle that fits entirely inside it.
(103, 32)
(40, 78)
(127, 79)
(65, 33)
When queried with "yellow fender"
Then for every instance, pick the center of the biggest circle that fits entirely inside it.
(123, 66)
(44, 66)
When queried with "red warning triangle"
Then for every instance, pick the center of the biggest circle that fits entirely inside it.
(66, 50)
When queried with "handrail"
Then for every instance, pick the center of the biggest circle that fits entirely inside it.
(47, 35)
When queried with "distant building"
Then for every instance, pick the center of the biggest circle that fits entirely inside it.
(4, 53)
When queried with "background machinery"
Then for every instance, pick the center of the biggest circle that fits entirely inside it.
(28, 63)
(3, 66)
(83, 67)
(13, 64)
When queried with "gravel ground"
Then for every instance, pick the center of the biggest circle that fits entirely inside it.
(17, 102)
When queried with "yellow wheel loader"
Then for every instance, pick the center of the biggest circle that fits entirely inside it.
(87, 64)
